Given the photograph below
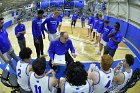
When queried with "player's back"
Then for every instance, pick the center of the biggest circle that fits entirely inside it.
(105, 80)
(22, 70)
(40, 84)
(68, 88)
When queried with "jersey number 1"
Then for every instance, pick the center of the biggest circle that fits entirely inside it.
(108, 84)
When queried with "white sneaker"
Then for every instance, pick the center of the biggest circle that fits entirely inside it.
(98, 52)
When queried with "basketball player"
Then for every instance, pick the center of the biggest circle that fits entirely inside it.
(52, 24)
(74, 19)
(90, 21)
(22, 70)
(104, 39)
(76, 79)
(122, 78)
(39, 81)
(37, 33)
(20, 31)
(60, 18)
(102, 78)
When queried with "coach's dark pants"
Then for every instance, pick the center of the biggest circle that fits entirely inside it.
(39, 46)
(68, 59)
(22, 43)
(108, 50)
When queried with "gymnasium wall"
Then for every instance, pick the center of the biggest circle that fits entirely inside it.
(131, 34)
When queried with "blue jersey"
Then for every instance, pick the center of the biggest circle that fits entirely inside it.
(74, 16)
(20, 28)
(60, 17)
(36, 28)
(95, 24)
(101, 26)
(83, 18)
(4, 41)
(90, 20)
(52, 24)
(105, 32)
(118, 36)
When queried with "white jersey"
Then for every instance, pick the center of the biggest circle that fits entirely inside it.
(40, 84)
(22, 70)
(105, 80)
(127, 76)
(76, 89)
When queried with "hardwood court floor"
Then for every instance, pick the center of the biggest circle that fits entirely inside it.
(84, 47)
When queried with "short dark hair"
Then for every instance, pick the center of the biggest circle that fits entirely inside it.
(18, 19)
(129, 59)
(76, 74)
(39, 65)
(25, 53)
(1, 18)
(62, 33)
(40, 12)
(100, 15)
(117, 25)
(106, 21)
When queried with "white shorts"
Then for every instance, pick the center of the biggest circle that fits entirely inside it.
(94, 30)
(98, 34)
(53, 36)
(89, 26)
(60, 23)
(103, 42)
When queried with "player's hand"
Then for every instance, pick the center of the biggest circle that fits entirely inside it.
(92, 66)
(18, 34)
(74, 55)
(37, 41)
(53, 64)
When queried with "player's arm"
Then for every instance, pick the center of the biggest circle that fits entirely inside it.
(119, 78)
(30, 69)
(53, 80)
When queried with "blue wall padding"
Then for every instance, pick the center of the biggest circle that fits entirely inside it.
(79, 3)
(58, 3)
(44, 4)
(133, 35)
(7, 24)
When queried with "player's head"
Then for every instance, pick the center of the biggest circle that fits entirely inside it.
(25, 54)
(106, 22)
(40, 13)
(64, 37)
(76, 74)
(106, 62)
(39, 66)
(18, 20)
(56, 14)
(100, 16)
(129, 60)
(1, 21)
(117, 26)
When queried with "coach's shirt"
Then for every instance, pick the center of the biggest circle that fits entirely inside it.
(83, 18)
(95, 23)
(4, 41)
(74, 16)
(90, 20)
(101, 26)
(36, 28)
(52, 24)
(60, 17)
(59, 48)
(118, 36)
(20, 28)
(105, 33)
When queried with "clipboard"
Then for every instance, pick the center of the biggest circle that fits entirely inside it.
(59, 60)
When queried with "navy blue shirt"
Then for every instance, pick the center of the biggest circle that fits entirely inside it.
(83, 18)
(105, 33)
(56, 47)
(74, 16)
(101, 26)
(60, 17)
(118, 36)
(4, 41)
(36, 28)
(20, 28)
(52, 24)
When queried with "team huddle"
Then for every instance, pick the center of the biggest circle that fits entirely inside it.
(33, 77)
